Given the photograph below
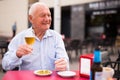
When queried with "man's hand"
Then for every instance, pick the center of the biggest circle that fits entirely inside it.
(60, 64)
(23, 50)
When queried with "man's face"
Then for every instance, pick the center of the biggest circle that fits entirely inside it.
(41, 19)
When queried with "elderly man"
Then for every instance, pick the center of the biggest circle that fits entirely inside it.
(47, 52)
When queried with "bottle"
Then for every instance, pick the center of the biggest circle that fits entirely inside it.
(96, 68)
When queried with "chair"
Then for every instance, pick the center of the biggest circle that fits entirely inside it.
(72, 45)
(115, 65)
(15, 69)
(3, 47)
(84, 46)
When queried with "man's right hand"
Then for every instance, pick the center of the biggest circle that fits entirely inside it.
(23, 50)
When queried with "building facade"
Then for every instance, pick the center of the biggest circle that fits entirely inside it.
(89, 19)
(80, 19)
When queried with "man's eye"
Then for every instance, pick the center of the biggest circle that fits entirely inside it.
(42, 15)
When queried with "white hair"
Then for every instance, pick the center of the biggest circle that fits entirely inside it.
(33, 7)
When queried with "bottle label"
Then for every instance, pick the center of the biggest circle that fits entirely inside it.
(98, 75)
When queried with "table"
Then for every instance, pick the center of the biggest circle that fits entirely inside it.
(29, 75)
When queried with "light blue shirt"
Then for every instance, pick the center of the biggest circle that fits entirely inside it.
(45, 52)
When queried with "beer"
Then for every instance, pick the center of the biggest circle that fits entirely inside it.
(96, 68)
(30, 40)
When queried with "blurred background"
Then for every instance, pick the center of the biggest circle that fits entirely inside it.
(79, 19)
(82, 23)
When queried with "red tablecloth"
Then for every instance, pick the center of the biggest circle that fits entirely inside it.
(29, 75)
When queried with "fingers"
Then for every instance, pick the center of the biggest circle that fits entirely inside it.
(60, 64)
(60, 67)
(23, 50)
(59, 61)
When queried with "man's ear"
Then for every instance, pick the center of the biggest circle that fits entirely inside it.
(30, 18)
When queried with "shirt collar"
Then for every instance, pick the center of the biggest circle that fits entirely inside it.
(47, 34)
(31, 29)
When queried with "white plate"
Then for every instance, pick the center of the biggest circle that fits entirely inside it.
(66, 73)
(43, 72)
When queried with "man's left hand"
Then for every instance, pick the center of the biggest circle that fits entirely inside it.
(60, 64)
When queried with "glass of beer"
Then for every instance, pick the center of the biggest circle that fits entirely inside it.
(30, 40)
